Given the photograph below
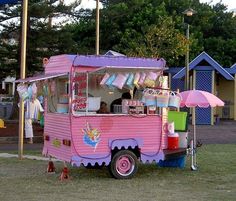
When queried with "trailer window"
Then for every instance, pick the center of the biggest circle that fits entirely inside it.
(58, 95)
(89, 96)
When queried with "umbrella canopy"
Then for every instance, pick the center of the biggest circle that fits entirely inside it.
(194, 98)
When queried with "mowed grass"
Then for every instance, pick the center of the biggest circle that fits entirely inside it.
(27, 180)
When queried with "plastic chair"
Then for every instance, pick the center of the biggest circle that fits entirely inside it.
(2, 124)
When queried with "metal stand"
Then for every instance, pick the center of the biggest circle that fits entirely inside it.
(193, 157)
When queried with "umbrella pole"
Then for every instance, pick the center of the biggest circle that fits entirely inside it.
(194, 144)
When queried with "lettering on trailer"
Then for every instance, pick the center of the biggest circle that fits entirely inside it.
(79, 86)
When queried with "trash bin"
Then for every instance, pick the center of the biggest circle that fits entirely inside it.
(5, 110)
(178, 162)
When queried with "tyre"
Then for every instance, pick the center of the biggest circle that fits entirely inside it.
(124, 165)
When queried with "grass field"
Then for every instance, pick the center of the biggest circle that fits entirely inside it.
(27, 180)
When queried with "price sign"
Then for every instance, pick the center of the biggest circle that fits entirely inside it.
(79, 103)
(79, 86)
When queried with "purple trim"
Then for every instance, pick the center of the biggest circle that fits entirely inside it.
(233, 66)
(125, 143)
(85, 160)
(125, 62)
(150, 157)
(71, 57)
(232, 69)
(210, 61)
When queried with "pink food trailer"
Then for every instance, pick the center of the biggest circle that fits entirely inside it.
(132, 130)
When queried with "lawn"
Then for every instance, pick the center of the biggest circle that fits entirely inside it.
(27, 180)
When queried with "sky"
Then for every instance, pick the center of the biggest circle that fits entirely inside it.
(84, 4)
(92, 4)
(230, 3)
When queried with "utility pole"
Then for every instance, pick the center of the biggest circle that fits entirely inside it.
(97, 27)
(189, 13)
(22, 74)
(187, 60)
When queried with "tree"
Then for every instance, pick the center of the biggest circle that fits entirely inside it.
(160, 40)
(44, 38)
(129, 26)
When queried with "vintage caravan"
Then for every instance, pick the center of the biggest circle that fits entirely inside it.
(134, 128)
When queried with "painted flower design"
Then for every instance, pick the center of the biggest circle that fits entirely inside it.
(91, 136)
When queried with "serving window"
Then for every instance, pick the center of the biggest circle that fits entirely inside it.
(58, 95)
(113, 92)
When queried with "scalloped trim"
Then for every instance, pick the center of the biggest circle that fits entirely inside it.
(78, 161)
(125, 143)
(152, 157)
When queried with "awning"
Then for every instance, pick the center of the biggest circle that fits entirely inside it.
(41, 77)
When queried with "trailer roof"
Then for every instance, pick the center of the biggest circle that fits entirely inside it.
(60, 65)
(119, 62)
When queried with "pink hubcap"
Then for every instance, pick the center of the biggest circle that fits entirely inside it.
(125, 165)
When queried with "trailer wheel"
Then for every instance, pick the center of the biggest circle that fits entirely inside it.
(124, 165)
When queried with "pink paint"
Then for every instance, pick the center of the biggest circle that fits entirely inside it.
(57, 127)
(94, 137)
(124, 165)
(60, 126)
(147, 128)
(59, 64)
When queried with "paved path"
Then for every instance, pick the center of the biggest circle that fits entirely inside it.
(224, 133)
(14, 147)
(6, 155)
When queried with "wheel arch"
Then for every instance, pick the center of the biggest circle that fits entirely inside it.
(132, 144)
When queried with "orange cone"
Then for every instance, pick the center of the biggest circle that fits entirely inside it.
(51, 168)
(64, 174)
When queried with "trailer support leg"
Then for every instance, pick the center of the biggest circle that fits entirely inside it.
(65, 173)
(193, 157)
(51, 168)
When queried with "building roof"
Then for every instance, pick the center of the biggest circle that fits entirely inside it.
(113, 53)
(232, 69)
(173, 70)
(201, 57)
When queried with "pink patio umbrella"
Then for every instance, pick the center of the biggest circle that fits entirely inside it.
(193, 99)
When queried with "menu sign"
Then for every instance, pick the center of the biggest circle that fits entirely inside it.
(79, 88)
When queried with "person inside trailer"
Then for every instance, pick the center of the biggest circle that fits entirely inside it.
(118, 101)
(103, 108)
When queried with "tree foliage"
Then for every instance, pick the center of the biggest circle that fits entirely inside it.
(43, 37)
(157, 28)
(147, 28)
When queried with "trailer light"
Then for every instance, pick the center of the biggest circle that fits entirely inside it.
(56, 143)
(66, 142)
(46, 137)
